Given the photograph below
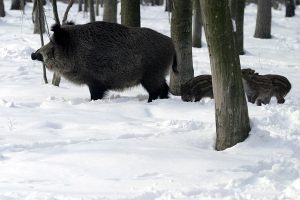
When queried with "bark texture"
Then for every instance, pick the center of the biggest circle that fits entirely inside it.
(130, 13)
(237, 8)
(263, 19)
(92, 11)
(39, 17)
(290, 8)
(197, 24)
(110, 11)
(2, 9)
(181, 33)
(169, 5)
(232, 120)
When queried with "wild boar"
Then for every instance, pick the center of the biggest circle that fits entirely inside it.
(260, 88)
(197, 88)
(108, 56)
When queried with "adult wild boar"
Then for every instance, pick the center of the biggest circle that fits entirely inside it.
(108, 56)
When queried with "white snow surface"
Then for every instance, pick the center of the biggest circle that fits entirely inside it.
(55, 144)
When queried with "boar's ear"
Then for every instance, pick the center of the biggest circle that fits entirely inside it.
(70, 23)
(61, 37)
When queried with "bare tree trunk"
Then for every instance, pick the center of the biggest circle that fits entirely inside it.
(56, 77)
(2, 9)
(130, 13)
(97, 7)
(39, 18)
(17, 5)
(181, 33)
(110, 11)
(232, 121)
(197, 24)
(263, 19)
(67, 11)
(237, 8)
(39, 11)
(86, 5)
(80, 2)
(92, 11)
(290, 8)
(169, 5)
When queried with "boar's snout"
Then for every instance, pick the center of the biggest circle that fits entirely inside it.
(37, 56)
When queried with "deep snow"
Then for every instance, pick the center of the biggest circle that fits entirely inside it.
(57, 145)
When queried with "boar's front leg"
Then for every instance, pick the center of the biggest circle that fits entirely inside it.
(280, 99)
(97, 91)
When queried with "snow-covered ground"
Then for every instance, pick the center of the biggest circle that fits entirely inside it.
(55, 144)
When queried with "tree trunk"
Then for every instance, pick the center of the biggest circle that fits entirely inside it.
(181, 33)
(110, 11)
(130, 13)
(237, 8)
(2, 10)
(290, 8)
(263, 19)
(80, 5)
(92, 11)
(39, 17)
(232, 121)
(169, 5)
(16, 5)
(97, 7)
(86, 5)
(56, 77)
(65, 18)
(197, 24)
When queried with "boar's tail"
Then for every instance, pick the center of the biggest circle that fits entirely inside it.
(174, 65)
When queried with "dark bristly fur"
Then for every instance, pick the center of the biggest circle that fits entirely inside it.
(197, 88)
(260, 88)
(108, 56)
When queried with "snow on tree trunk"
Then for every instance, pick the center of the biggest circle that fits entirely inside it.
(232, 120)
(263, 19)
(130, 13)
(110, 11)
(197, 24)
(181, 33)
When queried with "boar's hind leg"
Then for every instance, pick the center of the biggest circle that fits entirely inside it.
(155, 89)
(164, 94)
(97, 92)
(280, 99)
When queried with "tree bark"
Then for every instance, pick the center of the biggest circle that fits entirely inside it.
(169, 5)
(16, 5)
(130, 13)
(39, 17)
(110, 11)
(197, 24)
(232, 120)
(56, 77)
(86, 5)
(92, 11)
(80, 2)
(290, 8)
(263, 19)
(237, 8)
(181, 33)
(97, 7)
(65, 18)
(2, 9)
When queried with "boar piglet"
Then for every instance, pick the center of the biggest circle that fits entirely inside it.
(260, 88)
(197, 88)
